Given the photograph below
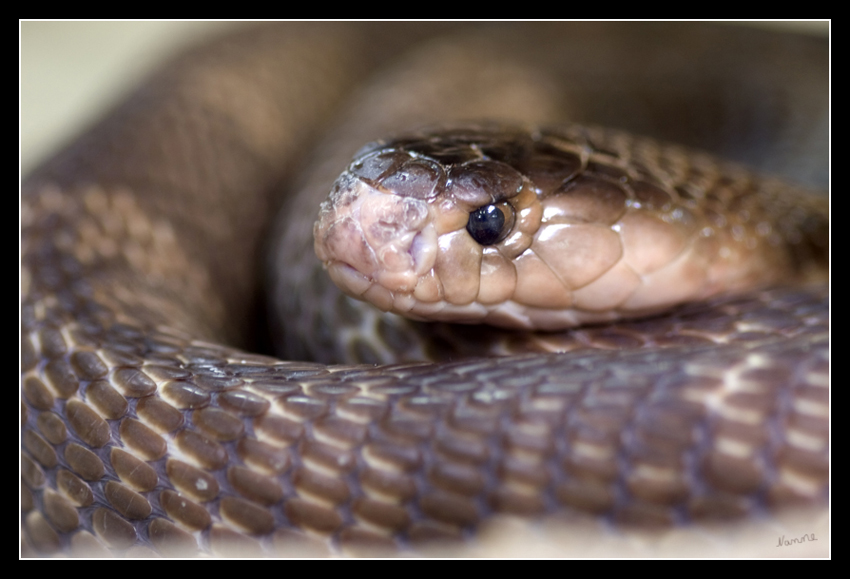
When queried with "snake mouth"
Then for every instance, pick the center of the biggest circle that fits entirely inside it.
(374, 242)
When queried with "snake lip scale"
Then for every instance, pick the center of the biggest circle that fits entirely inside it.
(147, 427)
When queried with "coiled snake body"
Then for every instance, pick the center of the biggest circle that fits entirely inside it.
(140, 247)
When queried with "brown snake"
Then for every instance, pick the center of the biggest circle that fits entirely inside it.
(139, 254)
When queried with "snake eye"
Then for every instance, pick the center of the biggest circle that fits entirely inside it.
(491, 224)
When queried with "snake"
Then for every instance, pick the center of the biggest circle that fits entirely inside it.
(150, 426)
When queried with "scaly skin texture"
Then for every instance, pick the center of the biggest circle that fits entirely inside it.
(142, 431)
(594, 226)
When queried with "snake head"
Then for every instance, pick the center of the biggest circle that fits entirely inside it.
(536, 229)
(413, 224)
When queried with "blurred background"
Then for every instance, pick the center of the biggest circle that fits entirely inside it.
(72, 71)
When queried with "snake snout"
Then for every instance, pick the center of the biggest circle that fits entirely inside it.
(372, 241)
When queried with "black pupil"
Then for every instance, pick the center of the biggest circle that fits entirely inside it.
(485, 224)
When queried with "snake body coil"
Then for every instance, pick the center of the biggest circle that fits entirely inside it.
(140, 248)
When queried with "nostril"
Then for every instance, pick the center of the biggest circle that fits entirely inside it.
(423, 250)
